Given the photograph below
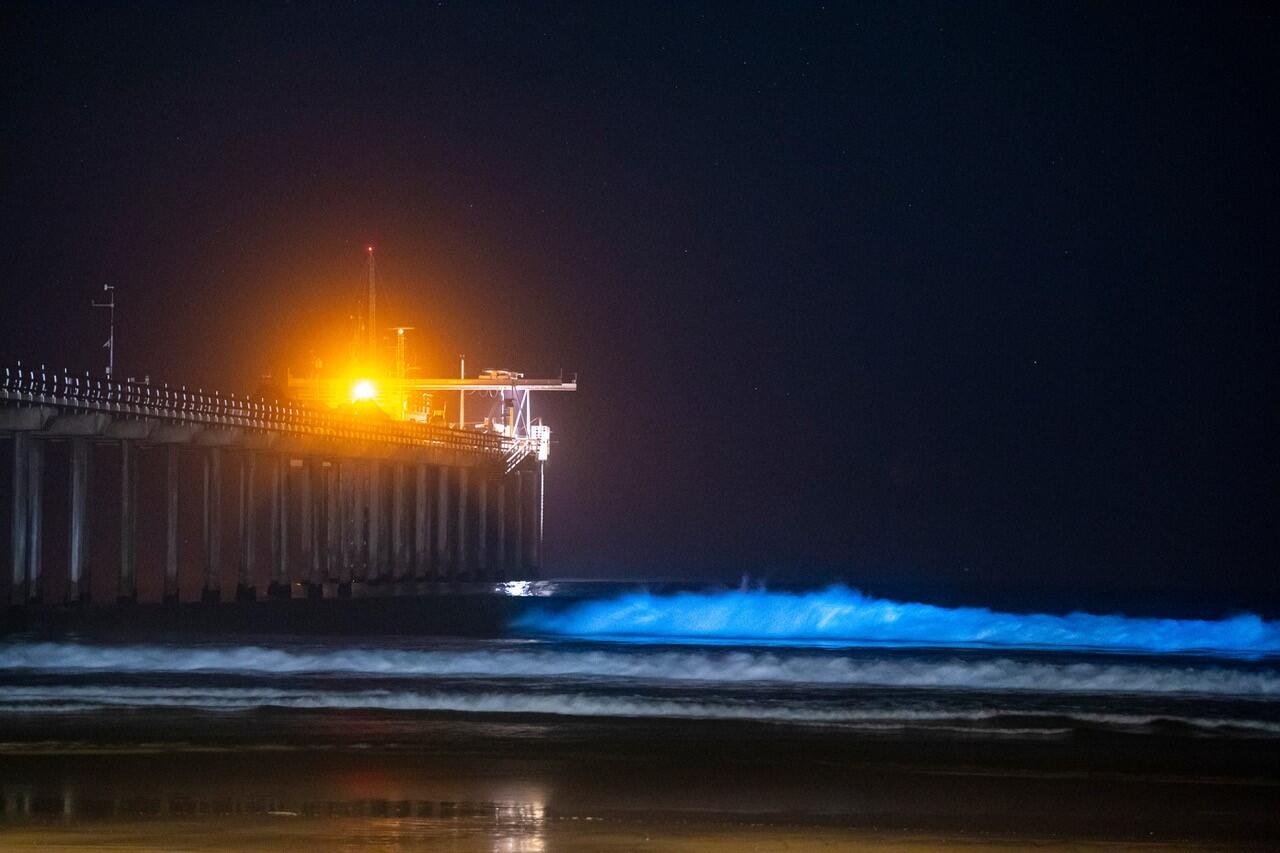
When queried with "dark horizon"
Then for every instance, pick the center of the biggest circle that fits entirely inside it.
(961, 300)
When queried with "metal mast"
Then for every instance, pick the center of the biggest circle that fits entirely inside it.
(372, 306)
(110, 345)
(402, 367)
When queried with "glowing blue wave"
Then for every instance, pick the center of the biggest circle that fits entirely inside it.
(842, 616)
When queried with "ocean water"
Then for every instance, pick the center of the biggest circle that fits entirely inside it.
(833, 658)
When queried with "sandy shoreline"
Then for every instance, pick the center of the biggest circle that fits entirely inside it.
(286, 781)
(287, 833)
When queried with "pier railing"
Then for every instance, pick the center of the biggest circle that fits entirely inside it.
(24, 387)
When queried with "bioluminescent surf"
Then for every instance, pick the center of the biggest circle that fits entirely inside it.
(840, 615)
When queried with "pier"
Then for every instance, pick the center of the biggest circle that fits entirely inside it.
(332, 500)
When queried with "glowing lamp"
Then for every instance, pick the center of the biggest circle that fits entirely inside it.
(363, 390)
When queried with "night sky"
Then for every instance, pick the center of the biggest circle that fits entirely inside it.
(954, 298)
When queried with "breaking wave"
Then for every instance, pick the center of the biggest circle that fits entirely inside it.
(842, 616)
(705, 665)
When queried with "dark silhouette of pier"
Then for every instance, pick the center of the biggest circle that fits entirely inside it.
(331, 501)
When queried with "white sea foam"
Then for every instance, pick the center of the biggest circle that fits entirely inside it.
(77, 699)
(709, 666)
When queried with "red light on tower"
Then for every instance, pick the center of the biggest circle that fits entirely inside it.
(370, 248)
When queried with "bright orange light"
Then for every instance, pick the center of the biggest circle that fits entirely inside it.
(363, 390)
(370, 248)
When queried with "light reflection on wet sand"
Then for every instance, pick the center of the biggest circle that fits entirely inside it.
(73, 819)
(277, 782)
(285, 834)
(70, 819)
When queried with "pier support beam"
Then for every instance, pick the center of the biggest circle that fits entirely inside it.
(18, 530)
(482, 529)
(400, 568)
(442, 523)
(78, 553)
(127, 591)
(245, 589)
(279, 586)
(359, 482)
(376, 573)
(306, 519)
(212, 590)
(347, 526)
(312, 509)
(421, 515)
(35, 520)
(332, 522)
(171, 524)
(529, 520)
(517, 546)
(539, 483)
(462, 568)
(500, 558)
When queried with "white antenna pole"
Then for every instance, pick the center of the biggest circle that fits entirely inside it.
(462, 395)
(110, 345)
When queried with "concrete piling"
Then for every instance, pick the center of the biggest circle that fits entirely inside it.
(279, 585)
(443, 569)
(306, 523)
(18, 530)
(35, 520)
(128, 582)
(421, 517)
(78, 551)
(211, 592)
(399, 547)
(359, 484)
(170, 524)
(332, 522)
(245, 589)
(347, 527)
(462, 565)
(375, 523)
(313, 488)
(517, 547)
(500, 534)
(482, 529)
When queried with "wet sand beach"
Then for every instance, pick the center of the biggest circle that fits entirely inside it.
(376, 780)
(285, 834)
